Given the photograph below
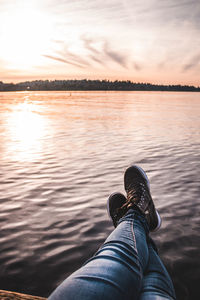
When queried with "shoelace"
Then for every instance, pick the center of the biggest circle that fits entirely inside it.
(137, 193)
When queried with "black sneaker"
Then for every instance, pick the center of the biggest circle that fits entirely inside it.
(137, 186)
(114, 207)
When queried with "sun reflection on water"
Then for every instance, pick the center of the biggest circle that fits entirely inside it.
(27, 129)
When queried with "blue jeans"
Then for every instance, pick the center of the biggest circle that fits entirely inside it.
(127, 266)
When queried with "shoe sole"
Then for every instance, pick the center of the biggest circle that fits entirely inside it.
(159, 222)
(144, 175)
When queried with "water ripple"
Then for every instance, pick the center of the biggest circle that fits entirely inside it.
(60, 159)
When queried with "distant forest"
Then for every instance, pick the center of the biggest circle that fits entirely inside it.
(92, 85)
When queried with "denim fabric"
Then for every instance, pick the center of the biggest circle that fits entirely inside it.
(127, 266)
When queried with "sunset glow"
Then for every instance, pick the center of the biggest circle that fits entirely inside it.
(27, 130)
(146, 41)
(25, 36)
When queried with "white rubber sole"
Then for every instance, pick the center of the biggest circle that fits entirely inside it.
(159, 222)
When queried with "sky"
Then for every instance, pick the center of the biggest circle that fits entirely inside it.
(156, 41)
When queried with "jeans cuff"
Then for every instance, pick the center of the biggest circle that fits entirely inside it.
(134, 213)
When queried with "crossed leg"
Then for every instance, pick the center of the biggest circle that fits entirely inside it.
(117, 270)
(156, 283)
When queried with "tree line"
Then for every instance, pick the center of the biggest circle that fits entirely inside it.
(92, 85)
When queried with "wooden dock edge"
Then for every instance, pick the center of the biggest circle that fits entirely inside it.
(6, 295)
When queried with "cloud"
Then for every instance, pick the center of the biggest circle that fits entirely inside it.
(65, 52)
(88, 42)
(66, 56)
(93, 52)
(193, 63)
(105, 51)
(96, 59)
(60, 59)
(117, 57)
(137, 66)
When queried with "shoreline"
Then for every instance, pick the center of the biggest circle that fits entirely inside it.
(94, 85)
(72, 91)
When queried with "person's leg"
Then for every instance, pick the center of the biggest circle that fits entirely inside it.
(116, 271)
(157, 284)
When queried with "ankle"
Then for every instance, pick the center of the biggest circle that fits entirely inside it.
(136, 209)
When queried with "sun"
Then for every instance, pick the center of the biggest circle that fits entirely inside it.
(25, 35)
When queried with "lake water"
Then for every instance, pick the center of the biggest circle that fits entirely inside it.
(63, 153)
